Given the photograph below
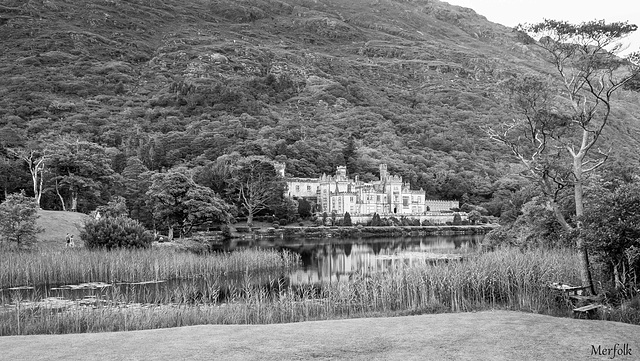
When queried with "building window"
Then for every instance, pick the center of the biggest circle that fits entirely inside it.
(298, 188)
(308, 188)
(378, 198)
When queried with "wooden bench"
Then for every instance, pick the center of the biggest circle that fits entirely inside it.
(586, 310)
(568, 289)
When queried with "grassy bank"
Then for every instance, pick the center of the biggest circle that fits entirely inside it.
(492, 335)
(505, 279)
(69, 266)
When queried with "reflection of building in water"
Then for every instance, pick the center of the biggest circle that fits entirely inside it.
(387, 196)
(333, 263)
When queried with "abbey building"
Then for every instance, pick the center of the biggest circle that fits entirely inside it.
(387, 196)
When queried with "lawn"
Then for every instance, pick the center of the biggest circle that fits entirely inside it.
(56, 225)
(489, 335)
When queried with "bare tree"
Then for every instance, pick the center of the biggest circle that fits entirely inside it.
(562, 117)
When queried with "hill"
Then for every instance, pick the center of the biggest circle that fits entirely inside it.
(57, 224)
(409, 83)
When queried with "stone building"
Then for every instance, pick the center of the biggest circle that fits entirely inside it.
(387, 196)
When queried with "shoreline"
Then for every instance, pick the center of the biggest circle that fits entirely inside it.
(357, 232)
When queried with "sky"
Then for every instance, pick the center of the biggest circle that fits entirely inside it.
(513, 12)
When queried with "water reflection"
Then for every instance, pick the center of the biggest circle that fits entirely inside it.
(330, 260)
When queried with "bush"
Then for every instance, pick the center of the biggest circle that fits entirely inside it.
(115, 232)
(226, 231)
(347, 219)
(427, 222)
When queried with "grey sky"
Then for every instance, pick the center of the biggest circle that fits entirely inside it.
(513, 12)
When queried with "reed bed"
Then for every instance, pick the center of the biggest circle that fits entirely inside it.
(70, 266)
(505, 279)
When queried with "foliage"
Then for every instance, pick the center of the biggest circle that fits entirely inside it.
(115, 232)
(177, 201)
(562, 118)
(347, 220)
(375, 220)
(164, 94)
(117, 207)
(304, 208)
(257, 187)
(18, 215)
(78, 170)
(509, 279)
(48, 266)
(612, 232)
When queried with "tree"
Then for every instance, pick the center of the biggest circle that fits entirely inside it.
(257, 186)
(79, 170)
(177, 201)
(562, 118)
(137, 180)
(12, 175)
(350, 154)
(474, 216)
(304, 208)
(117, 207)
(612, 232)
(18, 216)
(347, 219)
(36, 160)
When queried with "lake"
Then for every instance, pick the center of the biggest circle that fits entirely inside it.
(323, 260)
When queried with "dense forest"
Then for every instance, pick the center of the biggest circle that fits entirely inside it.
(99, 97)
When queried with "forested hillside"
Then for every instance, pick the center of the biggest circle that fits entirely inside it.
(107, 90)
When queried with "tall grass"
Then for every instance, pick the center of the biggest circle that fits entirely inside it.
(505, 279)
(54, 267)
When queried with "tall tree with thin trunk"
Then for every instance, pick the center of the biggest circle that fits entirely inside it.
(560, 119)
(36, 160)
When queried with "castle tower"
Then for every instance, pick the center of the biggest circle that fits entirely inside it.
(383, 172)
(341, 172)
(279, 168)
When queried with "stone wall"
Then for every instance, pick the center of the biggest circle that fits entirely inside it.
(433, 217)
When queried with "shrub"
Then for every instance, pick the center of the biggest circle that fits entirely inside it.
(226, 231)
(375, 221)
(347, 219)
(115, 232)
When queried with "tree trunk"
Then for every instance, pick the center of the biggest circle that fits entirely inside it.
(74, 201)
(616, 276)
(60, 196)
(585, 270)
(170, 236)
(250, 219)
